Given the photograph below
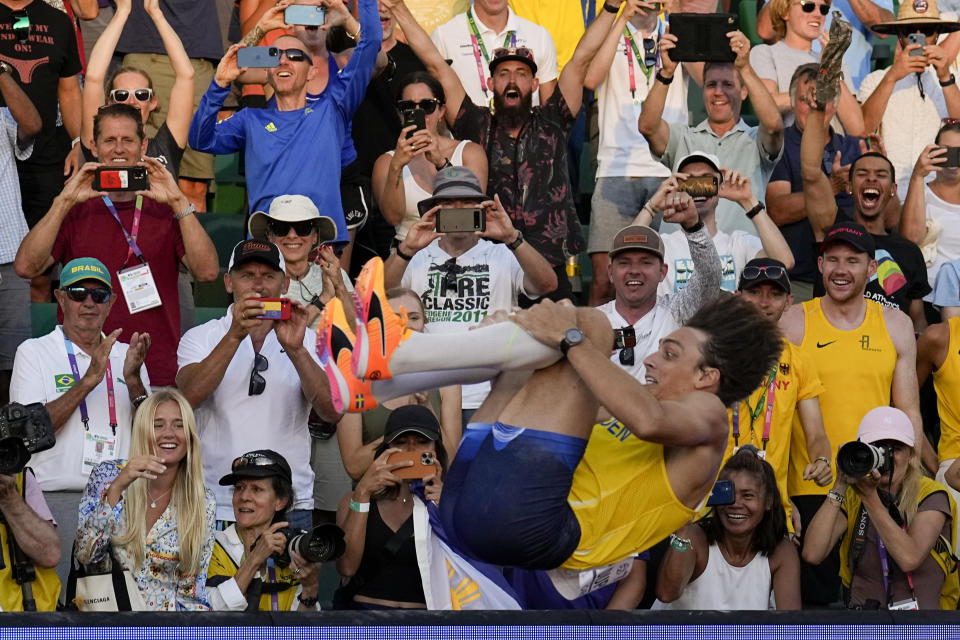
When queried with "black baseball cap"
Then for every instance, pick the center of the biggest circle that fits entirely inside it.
(262, 463)
(256, 251)
(760, 270)
(853, 234)
(411, 417)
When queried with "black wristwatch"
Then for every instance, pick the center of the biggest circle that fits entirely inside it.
(950, 81)
(513, 246)
(571, 338)
(609, 8)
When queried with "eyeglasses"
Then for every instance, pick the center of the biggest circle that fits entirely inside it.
(428, 106)
(21, 26)
(773, 272)
(257, 382)
(252, 459)
(122, 95)
(280, 228)
(79, 293)
(295, 55)
(649, 52)
(807, 7)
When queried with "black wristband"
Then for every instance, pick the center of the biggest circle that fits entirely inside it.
(403, 255)
(952, 80)
(757, 208)
(307, 602)
(609, 8)
(694, 228)
(663, 79)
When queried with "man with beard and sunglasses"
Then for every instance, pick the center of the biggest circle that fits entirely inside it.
(526, 146)
(281, 141)
(252, 378)
(91, 384)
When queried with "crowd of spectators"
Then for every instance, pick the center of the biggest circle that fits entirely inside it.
(401, 360)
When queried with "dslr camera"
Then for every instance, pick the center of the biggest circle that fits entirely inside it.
(24, 430)
(320, 544)
(857, 459)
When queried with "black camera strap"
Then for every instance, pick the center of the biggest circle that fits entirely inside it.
(858, 546)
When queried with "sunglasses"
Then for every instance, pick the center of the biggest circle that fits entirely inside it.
(523, 52)
(625, 339)
(21, 26)
(122, 95)
(254, 459)
(257, 382)
(295, 55)
(79, 294)
(807, 7)
(428, 106)
(649, 52)
(302, 228)
(773, 272)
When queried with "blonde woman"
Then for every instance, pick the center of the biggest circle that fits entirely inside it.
(156, 495)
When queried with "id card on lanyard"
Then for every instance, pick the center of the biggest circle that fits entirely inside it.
(139, 289)
(97, 447)
(755, 413)
(480, 48)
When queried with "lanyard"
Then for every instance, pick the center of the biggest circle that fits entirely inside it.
(111, 398)
(478, 47)
(131, 237)
(885, 566)
(632, 51)
(755, 412)
(272, 577)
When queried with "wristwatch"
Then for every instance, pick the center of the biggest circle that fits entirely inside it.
(571, 338)
(513, 246)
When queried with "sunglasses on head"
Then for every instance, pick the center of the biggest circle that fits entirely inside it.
(295, 55)
(79, 293)
(523, 52)
(257, 382)
(428, 106)
(302, 228)
(122, 95)
(254, 459)
(807, 7)
(773, 272)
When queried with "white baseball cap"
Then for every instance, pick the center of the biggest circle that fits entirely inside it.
(886, 423)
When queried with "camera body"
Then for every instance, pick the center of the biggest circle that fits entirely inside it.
(24, 430)
(320, 544)
(856, 459)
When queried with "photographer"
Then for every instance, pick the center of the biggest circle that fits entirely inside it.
(244, 573)
(896, 524)
(153, 227)
(26, 518)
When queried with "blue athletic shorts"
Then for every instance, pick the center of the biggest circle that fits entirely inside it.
(505, 496)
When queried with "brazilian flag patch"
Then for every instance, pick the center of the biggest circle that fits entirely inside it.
(63, 381)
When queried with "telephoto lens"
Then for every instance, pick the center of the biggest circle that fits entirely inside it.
(856, 459)
(320, 544)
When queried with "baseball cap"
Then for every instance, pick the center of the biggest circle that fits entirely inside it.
(763, 270)
(855, 235)
(638, 237)
(262, 463)
(700, 156)
(411, 417)
(256, 251)
(453, 183)
(84, 269)
(521, 54)
(886, 423)
(292, 208)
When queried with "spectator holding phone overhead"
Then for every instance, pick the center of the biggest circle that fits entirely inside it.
(751, 151)
(403, 177)
(140, 235)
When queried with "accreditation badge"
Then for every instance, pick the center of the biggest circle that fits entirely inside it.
(139, 289)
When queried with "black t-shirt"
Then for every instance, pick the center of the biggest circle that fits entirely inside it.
(163, 147)
(901, 274)
(195, 21)
(48, 54)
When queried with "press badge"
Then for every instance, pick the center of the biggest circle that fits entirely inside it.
(97, 448)
(139, 289)
(910, 604)
(572, 584)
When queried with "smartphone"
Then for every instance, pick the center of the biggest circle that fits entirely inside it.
(424, 464)
(702, 37)
(722, 493)
(917, 38)
(258, 57)
(275, 308)
(953, 157)
(461, 219)
(312, 16)
(414, 117)
(700, 186)
(112, 178)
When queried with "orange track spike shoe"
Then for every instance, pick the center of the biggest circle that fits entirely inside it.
(379, 328)
(335, 344)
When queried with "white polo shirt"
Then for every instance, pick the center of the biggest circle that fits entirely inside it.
(231, 422)
(41, 373)
(452, 39)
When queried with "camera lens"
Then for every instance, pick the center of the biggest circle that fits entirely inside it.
(857, 459)
(322, 544)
